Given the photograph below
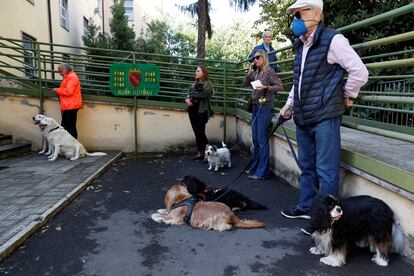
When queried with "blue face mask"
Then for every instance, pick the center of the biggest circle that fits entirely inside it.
(298, 27)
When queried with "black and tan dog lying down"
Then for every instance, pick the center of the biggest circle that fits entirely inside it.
(181, 207)
(235, 200)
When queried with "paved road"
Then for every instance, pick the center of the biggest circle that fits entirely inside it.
(107, 230)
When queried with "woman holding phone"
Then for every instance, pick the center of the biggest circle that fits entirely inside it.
(266, 84)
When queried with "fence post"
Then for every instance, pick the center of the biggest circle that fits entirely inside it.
(39, 72)
(225, 103)
(135, 116)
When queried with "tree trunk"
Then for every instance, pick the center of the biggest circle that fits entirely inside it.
(202, 17)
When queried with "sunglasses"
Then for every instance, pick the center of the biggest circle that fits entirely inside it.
(257, 57)
(298, 13)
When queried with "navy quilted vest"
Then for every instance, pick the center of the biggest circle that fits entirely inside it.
(322, 85)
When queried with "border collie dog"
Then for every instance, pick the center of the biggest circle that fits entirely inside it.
(363, 220)
(235, 200)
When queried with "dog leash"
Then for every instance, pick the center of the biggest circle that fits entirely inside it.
(279, 123)
(254, 120)
(292, 150)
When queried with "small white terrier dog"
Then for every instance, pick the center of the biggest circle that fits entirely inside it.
(217, 157)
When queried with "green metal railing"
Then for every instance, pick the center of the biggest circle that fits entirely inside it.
(32, 71)
(375, 106)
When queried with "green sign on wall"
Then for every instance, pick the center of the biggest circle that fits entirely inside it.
(134, 79)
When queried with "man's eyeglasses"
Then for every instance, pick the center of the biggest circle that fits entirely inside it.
(257, 57)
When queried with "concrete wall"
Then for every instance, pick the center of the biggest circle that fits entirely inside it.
(111, 127)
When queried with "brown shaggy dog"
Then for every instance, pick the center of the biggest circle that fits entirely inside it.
(206, 215)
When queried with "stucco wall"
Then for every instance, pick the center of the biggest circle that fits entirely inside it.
(111, 126)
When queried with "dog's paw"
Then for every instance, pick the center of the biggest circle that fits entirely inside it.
(315, 251)
(41, 152)
(156, 217)
(162, 211)
(379, 260)
(51, 159)
(331, 261)
(74, 158)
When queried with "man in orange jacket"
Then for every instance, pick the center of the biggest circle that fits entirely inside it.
(70, 98)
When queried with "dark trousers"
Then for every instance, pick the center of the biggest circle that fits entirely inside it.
(198, 123)
(69, 121)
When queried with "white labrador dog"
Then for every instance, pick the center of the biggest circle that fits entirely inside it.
(64, 143)
(45, 141)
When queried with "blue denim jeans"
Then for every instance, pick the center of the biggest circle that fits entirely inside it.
(261, 118)
(319, 148)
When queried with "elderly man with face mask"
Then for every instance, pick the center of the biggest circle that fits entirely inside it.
(70, 98)
(266, 46)
(317, 100)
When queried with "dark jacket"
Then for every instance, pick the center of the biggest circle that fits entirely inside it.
(272, 56)
(200, 94)
(321, 95)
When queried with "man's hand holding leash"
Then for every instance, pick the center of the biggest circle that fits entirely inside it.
(286, 111)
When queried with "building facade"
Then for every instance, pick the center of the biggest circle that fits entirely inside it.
(52, 21)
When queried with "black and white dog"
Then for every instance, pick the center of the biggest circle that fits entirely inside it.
(361, 220)
(235, 200)
(217, 157)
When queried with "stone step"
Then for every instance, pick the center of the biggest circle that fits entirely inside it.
(5, 139)
(14, 149)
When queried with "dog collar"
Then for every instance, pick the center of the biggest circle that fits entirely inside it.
(54, 129)
(189, 202)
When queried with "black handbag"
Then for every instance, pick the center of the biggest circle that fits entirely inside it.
(249, 105)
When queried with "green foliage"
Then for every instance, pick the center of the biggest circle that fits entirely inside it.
(203, 14)
(162, 39)
(122, 35)
(231, 43)
(94, 38)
